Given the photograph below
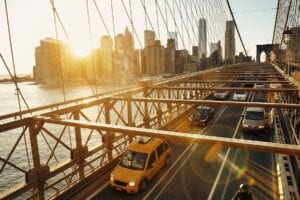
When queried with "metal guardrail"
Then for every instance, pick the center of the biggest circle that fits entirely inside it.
(286, 178)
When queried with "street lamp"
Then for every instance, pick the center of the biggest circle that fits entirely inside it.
(287, 36)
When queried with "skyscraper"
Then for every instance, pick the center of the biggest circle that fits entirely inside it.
(53, 60)
(128, 41)
(106, 53)
(174, 35)
(229, 42)
(149, 38)
(202, 38)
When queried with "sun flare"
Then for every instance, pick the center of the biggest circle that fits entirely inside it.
(81, 50)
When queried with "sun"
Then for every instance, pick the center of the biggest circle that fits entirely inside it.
(80, 49)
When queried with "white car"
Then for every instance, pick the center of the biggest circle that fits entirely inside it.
(254, 119)
(239, 96)
(259, 85)
(221, 95)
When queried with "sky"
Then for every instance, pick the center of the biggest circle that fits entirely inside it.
(32, 20)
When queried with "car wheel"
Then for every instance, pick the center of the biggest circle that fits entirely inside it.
(167, 160)
(143, 185)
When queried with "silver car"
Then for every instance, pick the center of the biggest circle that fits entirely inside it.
(221, 95)
(239, 96)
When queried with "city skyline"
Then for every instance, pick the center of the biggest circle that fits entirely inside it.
(26, 35)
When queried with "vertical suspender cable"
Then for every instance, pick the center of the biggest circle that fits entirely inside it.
(166, 20)
(157, 20)
(275, 25)
(90, 39)
(14, 78)
(12, 57)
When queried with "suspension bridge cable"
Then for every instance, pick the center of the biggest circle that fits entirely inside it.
(157, 20)
(214, 20)
(145, 11)
(164, 20)
(184, 23)
(102, 19)
(14, 78)
(166, 14)
(237, 29)
(90, 44)
(54, 20)
(139, 41)
(189, 20)
(56, 33)
(148, 18)
(286, 21)
(176, 27)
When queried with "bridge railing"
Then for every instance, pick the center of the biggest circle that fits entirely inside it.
(47, 159)
(54, 158)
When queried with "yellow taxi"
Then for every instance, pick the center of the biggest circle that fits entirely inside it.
(142, 160)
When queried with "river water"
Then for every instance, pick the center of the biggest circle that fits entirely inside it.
(35, 95)
(43, 94)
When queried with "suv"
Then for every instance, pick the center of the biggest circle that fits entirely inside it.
(254, 119)
(202, 115)
(140, 162)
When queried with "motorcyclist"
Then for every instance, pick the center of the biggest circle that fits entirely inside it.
(242, 193)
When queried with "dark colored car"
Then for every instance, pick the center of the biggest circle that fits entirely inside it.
(202, 115)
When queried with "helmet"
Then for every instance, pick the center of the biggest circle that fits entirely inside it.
(243, 186)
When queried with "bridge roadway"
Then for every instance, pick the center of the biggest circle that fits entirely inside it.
(200, 171)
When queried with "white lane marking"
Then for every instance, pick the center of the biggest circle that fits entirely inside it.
(97, 191)
(193, 148)
(212, 191)
(229, 174)
(170, 179)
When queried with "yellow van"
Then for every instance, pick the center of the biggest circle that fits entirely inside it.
(142, 160)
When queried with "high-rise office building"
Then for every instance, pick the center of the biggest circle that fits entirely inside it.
(229, 42)
(202, 33)
(128, 41)
(154, 59)
(106, 54)
(149, 38)
(53, 60)
(170, 56)
(119, 43)
(174, 35)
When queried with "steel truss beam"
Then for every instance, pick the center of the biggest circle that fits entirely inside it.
(171, 135)
(213, 103)
(292, 89)
(229, 81)
(216, 75)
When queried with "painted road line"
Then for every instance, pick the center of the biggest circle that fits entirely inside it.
(212, 191)
(190, 147)
(98, 191)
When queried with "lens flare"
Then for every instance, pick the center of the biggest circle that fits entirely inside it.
(212, 153)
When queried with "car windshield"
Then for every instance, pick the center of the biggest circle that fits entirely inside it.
(201, 112)
(133, 160)
(254, 115)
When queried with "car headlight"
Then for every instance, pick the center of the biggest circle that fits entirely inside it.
(132, 183)
(245, 125)
(261, 126)
(111, 177)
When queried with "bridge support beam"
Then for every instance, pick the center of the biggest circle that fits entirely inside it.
(35, 173)
(78, 152)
